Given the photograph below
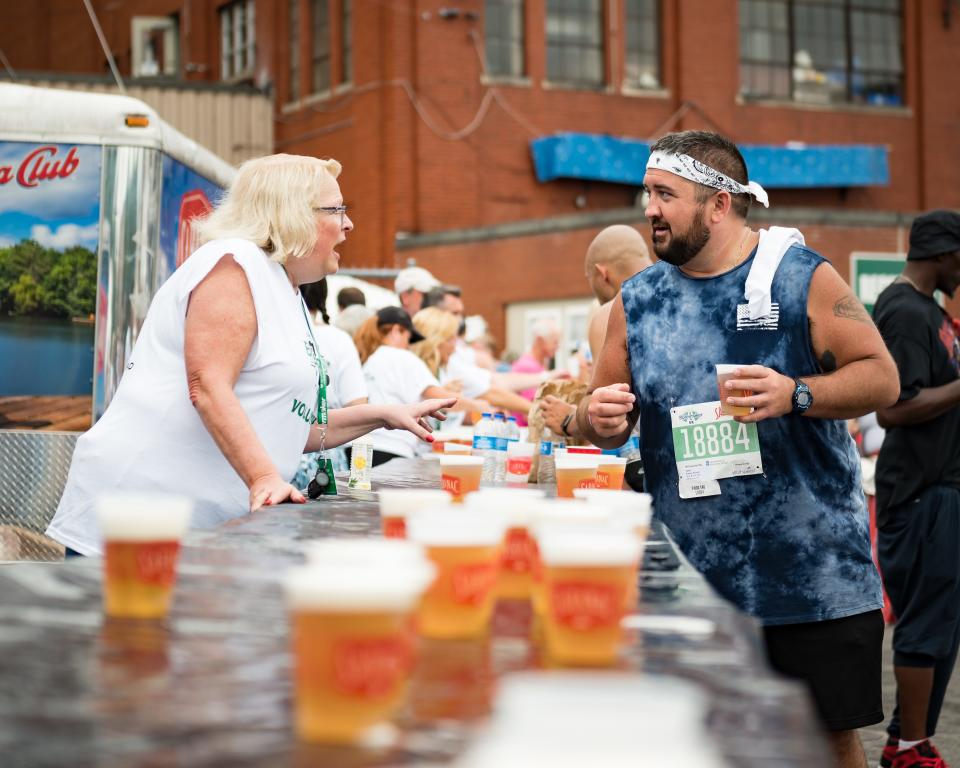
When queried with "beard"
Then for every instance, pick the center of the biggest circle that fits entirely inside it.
(682, 247)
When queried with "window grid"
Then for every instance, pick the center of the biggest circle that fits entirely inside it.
(293, 30)
(237, 43)
(320, 54)
(504, 37)
(642, 55)
(822, 51)
(346, 49)
(575, 42)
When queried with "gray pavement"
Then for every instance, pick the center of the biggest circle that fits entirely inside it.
(947, 738)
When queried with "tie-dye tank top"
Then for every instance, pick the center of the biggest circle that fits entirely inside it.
(792, 544)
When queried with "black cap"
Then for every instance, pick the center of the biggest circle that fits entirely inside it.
(399, 316)
(933, 234)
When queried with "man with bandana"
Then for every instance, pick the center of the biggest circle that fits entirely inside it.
(918, 485)
(767, 505)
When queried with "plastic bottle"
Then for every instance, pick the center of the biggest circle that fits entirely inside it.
(500, 434)
(546, 470)
(513, 430)
(484, 445)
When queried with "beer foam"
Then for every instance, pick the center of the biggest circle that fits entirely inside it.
(724, 369)
(588, 548)
(634, 509)
(385, 552)
(516, 503)
(400, 502)
(606, 460)
(458, 460)
(132, 516)
(457, 528)
(577, 461)
(356, 588)
(568, 511)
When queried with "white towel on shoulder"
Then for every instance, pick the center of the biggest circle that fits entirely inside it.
(773, 244)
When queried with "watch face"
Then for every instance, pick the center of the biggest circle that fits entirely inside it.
(803, 399)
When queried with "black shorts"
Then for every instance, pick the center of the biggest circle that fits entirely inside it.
(919, 552)
(841, 662)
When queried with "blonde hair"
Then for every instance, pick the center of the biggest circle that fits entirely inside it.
(271, 202)
(369, 337)
(436, 326)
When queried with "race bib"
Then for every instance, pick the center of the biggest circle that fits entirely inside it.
(709, 446)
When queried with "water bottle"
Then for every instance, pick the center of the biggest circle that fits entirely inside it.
(513, 430)
(484, 446)
(500, 435)
(546, 470)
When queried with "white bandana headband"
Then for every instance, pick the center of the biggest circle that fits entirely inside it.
(693, 170)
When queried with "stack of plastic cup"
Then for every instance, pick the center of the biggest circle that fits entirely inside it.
(142, 534)
(398, 504)
(465, 547)
(350, 614)
(519, 463)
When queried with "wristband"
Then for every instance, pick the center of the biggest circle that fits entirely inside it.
(566, 423)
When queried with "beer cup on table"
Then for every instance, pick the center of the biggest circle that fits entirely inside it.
(610, 472)
(633, 509)
(519, 463)
(555, 513)
(464, 546)
(141, 534)
(398, 504)
(724, 374)
(460, 475)
(352, 645)
(587, 577)
(519, 548)
(575, 471)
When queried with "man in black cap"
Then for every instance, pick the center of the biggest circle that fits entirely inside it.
(918, 486)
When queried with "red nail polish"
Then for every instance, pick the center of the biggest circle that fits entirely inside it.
(429, 438)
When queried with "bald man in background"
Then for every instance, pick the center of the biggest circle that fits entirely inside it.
(616, 254)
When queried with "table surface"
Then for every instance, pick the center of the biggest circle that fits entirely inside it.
(212, 685)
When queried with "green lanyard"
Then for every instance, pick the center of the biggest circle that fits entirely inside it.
(324, 483)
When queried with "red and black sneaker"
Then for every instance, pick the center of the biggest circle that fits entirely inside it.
(889, 752)
(922, 755)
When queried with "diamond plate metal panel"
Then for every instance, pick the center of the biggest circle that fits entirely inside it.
(33, 473)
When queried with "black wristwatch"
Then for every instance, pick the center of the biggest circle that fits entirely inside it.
(566, 423)
(802, 397)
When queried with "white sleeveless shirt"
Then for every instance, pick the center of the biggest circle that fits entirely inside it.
(151, 438)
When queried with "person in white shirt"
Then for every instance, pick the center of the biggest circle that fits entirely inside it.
(394, 374)
(221, 392)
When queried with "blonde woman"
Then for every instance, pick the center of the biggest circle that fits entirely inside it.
(221, 394)
(440, 330)
(395, 374)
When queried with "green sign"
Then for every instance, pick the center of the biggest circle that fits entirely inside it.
(711, 440)
(870, 273)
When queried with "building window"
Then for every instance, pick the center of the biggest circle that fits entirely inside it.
(822, 51)
(236, 40)
(575, 42)
(503, 36)
(346, 46)
(642, 55)
(293, 35)
(320, 49)
(154, 46)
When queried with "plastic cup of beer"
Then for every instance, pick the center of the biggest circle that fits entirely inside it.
(398, 504)
(460, 475)
(352, 645)
(464, 545)
(519, 547)
(575, 471)
(610, 472)
(724, 373)
(631, 508)
(587, 578)
(519, 462)
(555, 513)
(141, 535)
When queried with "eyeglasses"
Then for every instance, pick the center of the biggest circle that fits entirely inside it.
(341, 209)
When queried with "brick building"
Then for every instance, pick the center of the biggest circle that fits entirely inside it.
(433, 108)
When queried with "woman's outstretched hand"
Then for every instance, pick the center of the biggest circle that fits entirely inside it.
(413, 417)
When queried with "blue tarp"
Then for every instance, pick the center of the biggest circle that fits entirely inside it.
(597, 157)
